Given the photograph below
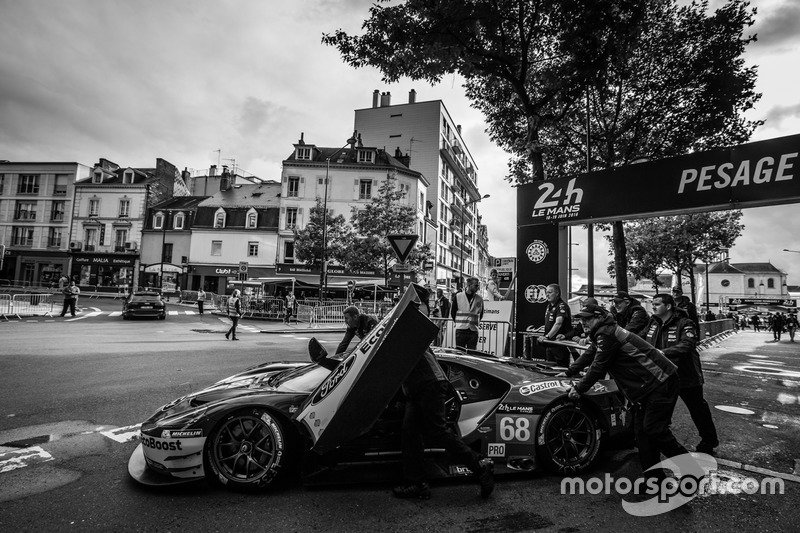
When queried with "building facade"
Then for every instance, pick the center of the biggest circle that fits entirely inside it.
(427, 132)
(108, 217)
(36, 201)
(236, 226)
(354, 173)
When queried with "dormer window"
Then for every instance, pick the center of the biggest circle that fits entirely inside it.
(98, 177)
(303, 153)
(127, 176)
(158, 220)
(366, 156)
(219, 218)
(252, 219)
(179, 220)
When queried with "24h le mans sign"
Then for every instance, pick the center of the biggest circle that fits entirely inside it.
(748, 175)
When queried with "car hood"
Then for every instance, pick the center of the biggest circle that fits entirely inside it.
(347, 403)
(251, 381)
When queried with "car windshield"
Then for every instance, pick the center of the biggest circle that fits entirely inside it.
(303, 379)
(145, 298)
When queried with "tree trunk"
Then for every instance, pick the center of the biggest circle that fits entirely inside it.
(534, 149)
(620, 256)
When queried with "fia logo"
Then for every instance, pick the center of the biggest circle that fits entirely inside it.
(556, 204)
(536, 294)
(537, 251)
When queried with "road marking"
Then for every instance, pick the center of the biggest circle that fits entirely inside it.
(21, 458)
(735, 410)
(121, 435)
(115, 313)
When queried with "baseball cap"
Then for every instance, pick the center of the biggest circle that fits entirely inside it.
(622, 296)
(591, 310)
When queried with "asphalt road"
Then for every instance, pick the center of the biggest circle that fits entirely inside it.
(72, 391)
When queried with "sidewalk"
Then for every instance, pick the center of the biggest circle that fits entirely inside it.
(276, 326)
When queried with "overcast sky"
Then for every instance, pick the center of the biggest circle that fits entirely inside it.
(131, 81)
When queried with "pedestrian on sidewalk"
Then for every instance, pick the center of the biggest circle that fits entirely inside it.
(201, 299)
(291, 307)
(71, 293)
(791, 325)
(234, 312)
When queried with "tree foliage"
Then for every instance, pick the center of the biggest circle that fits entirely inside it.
(308, 241)
(533, 55)
(386, 214)
(678, 242)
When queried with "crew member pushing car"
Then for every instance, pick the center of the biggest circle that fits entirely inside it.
(426, 389)
(358, 325)
(642, 372)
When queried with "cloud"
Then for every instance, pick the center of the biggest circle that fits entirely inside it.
(776, 26)
(776, 115)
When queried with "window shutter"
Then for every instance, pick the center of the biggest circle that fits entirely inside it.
(355, 192)
(299, 217)
(301, 189)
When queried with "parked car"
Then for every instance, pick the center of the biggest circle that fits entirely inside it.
(144, 304)
(338, 419)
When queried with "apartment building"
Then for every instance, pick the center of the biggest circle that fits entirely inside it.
(432, 140)
(36, 200)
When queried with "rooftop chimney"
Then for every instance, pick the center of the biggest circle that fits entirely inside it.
(412, 96)
(212, 171)
(386, 99)
(301, 142)
(375, 96)
(458, 129)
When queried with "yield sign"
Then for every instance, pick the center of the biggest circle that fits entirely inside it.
(402, 245)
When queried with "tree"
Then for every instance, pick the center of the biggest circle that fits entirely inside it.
(386, 214)
(678, 242)
(308, 241)
(681, 87)
(531, 57)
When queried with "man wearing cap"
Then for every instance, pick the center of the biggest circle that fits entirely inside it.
(670, 330)
(682, 302)
(357, 325)
(629, 313)
(644, 374)
(557, 321)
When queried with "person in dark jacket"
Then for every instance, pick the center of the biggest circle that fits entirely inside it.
(682, 302)
(629, 313)
(644, 374)
(778, 322)
(358, 325)
(426, 389)
(670, 330)
(557, 322)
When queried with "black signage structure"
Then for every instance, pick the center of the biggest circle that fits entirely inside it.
(104, 259)
(749, 175)
(785, 302)
(333, 270)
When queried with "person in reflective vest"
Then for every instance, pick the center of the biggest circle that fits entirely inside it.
(234, 312)
(467, 312)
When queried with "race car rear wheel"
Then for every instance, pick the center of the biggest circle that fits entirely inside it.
(246, 450)
(568, 438)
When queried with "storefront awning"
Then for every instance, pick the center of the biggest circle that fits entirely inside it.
(167, 267)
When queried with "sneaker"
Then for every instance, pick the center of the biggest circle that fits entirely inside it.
(486, 477)
(706, 447)
(228, 335)
(420, 491)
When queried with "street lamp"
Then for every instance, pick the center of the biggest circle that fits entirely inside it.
(793, 251)
(323, 278)
(463, 221)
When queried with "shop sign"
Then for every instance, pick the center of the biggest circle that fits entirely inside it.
(104, 259)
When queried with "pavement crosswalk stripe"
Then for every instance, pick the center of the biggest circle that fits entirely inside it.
(22, 458)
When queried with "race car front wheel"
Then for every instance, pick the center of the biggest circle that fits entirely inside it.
(246, 450)
(568, 438)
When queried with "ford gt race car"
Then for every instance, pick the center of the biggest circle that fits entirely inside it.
(339, 418)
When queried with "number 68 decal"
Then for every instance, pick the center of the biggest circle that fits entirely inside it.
(515, 428)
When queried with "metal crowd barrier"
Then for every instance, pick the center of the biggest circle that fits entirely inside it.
(493, 337)
(20, 305)
(327, 314)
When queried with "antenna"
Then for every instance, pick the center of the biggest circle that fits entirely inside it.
(411, 142)
(219, 154)
(233, 164)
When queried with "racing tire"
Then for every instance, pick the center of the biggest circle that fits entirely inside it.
(162, 317)
(568, 438)
(246, 450)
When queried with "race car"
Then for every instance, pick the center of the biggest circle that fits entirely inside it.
(337, 419)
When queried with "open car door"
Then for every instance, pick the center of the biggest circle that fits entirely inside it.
(351, 399)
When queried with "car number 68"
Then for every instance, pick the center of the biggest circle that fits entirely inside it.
(515, 428)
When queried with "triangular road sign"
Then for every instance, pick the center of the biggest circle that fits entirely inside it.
(402, 245)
